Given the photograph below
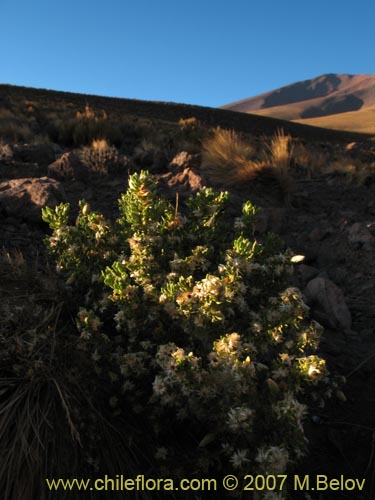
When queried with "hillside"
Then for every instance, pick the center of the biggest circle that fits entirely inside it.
(80, 373)
(362, 121)
(49, 104)
(326, 95)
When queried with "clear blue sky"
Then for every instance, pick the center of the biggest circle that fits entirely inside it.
(199, 52)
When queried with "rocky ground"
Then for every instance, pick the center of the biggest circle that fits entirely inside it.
(330, 222)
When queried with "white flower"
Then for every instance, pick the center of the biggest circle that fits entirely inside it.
(239, 459)
(221, 268)
(240, 418)
(273, 459)
(227, 344)
(289, 406)
(239, 223)
(256, 327)
(119, 316)
(159, 386)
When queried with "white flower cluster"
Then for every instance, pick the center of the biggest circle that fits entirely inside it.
(272, 459)
(240, 419)
(291, 409)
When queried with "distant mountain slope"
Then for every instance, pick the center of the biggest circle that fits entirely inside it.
(362, 121)
(322, 96)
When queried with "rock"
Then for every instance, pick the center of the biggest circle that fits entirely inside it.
(328, 304)
(69, 166)
(359, 236)
(184, 175)
(24, 198)
(186, 181)
(42, 154)
(184, 160)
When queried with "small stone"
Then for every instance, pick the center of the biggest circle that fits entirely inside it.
(328, 304)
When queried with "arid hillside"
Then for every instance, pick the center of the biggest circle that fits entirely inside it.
(109, 309)
(37, 111)
(326, 95)
(360, 121)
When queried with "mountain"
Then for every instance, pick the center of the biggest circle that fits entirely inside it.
(324, 96)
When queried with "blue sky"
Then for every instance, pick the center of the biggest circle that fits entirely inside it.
(198, 52)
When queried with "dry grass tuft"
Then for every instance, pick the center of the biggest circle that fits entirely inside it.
(189, 123)
(99, 144)
(279, 152)
(310, 160)
(227, 159)
(278, 156)
(351, 171)
(88, 114)
(55, 420)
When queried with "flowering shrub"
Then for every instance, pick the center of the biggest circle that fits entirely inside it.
(190, 318)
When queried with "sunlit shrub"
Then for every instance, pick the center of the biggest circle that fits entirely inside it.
(191, 320)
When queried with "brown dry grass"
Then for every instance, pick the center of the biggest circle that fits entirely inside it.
(230, 161)
(352, 171)
(278, 156)
(227, 159)
(310, 159)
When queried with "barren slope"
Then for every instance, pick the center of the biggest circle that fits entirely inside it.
(321, 96)
(360, 121)
(48, 100)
